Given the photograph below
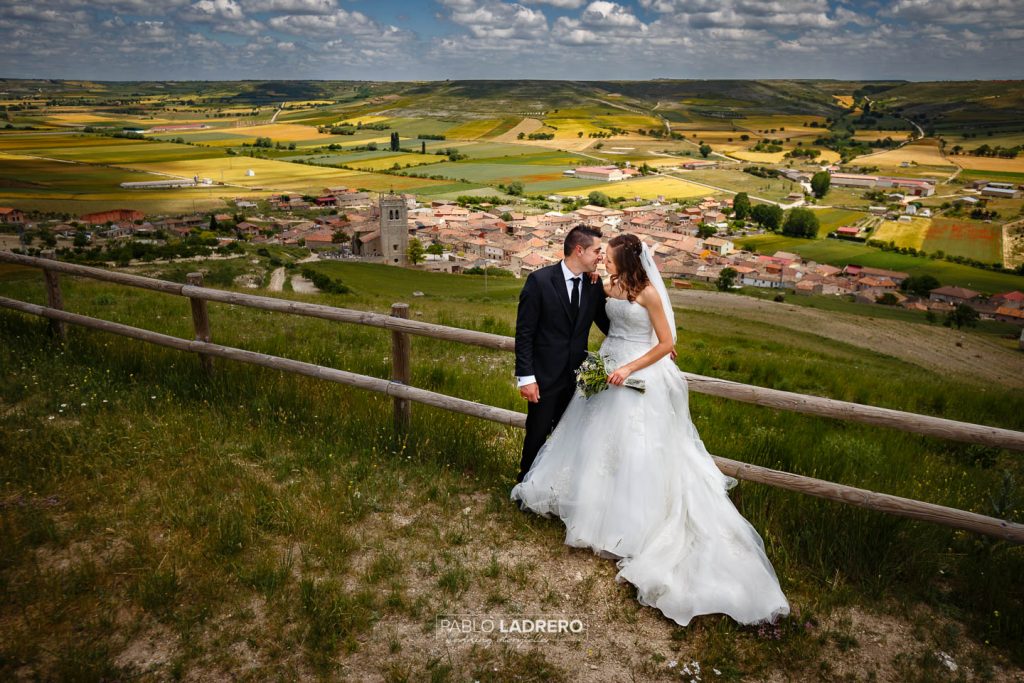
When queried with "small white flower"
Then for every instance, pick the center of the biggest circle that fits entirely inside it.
(51, 417)
(83, 405)
(153, 397)
(63, 405)
(672, 664)
(717, 672)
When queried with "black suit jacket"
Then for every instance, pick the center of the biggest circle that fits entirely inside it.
(549, 345)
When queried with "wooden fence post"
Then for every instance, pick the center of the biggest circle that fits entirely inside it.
(200, 320)
(55, 299)
(401, 366)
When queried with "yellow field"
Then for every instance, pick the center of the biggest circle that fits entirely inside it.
(400, 159)
(760, 157)
(278, 132)
(362, 119)
(910, 234)
(648, 188)
(843, 100)
(924, 152)
(471, 130)
(991, 164)
(871, 135)
(794, 124)
(270, 175)
(307, 103)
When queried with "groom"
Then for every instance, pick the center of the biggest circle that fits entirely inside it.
(556, 308)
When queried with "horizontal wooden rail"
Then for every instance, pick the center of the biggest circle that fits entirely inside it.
(746, 393)
(880, 502)
(383, 386)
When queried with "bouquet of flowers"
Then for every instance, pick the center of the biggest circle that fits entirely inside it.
(592, 377)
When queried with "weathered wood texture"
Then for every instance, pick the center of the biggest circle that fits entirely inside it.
(200, 321)
(870, 500)
(401, 366)
(55, 298)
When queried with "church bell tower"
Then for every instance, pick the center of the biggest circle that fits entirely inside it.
(394, 229)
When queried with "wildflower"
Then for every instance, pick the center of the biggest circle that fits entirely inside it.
(51, 417)
(673, 664)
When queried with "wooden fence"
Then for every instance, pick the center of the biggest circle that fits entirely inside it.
(401, 328)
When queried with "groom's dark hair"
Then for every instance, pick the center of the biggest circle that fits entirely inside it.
(581, 235)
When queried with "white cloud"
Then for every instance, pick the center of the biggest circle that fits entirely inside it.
(602, 14)
(499, 21)
(291, 6)
(561, 4)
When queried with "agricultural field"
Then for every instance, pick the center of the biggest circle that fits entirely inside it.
(904, 234)
(830, 219)
(60, 187)
(862, 135)
(923, 152)
(389, 161)
(650, 187)
(99, 150)
(773, 189)
(472, 130)
(990, 163)
(504, 173)
(270, 175)
(973, 239)
(840, 253)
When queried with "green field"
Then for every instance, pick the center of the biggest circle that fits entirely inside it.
(830, 219)
(768, 188)
(840, 253)
(973, 239)
(292, 528)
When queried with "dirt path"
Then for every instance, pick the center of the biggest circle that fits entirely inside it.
(303, 285)
(277, 279)
(526, 126)
(933, 348)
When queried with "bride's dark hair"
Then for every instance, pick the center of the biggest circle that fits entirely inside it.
(625, 249)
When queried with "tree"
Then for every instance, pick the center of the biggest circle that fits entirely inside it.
(598, 198)
(339, 237)
(515, 188)
(705, 230)
(80, 239)
(888, 299)
(920, 285)
(415, 251)
(705, 150)
(394, 142)
(423, 147)
(962, 315)
(801, 223)
(820, 182)
(213, 223)
(768, 216)
(741, 205)
(726, 279)
(436, 249)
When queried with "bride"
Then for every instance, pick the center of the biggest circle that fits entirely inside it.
(629, 476)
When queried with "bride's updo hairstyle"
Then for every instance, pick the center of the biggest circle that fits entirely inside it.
(625, 249)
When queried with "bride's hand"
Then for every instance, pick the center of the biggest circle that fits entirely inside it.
(620, 375)
(594, 277)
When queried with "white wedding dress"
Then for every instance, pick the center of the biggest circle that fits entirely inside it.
(630, 478)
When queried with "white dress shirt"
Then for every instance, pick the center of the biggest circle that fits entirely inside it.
(568, 275)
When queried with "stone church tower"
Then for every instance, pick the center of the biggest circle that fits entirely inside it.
(394, 229)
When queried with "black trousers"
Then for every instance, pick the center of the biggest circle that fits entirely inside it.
(541, 419)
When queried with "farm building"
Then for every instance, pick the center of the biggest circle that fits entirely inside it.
(953, 295)
(605, 173)
(9, 215)
(697, 165)
(853, 180)
(1002, 192)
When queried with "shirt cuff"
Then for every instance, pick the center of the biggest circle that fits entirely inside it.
(523, 381)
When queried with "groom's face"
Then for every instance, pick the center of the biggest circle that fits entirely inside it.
(590, 256)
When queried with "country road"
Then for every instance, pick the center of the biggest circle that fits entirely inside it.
(933, 348)
(277, 279)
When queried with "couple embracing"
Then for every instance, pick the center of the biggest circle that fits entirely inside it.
(625, 469)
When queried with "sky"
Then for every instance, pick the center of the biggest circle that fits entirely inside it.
(921, 40)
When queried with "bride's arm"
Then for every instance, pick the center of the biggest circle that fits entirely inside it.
(650, 300)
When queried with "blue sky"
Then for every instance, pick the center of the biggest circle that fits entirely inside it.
(564, 39)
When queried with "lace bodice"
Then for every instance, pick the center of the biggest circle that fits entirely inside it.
(629, 321)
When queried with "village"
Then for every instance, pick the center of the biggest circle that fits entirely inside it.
(692, 243)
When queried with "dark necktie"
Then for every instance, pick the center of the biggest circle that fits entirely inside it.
(574, 302)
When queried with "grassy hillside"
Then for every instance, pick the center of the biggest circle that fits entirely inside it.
(261, 525)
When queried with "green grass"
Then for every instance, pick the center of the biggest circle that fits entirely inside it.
(830, 219)
(973, 239)
(841, 253)
(280, 497)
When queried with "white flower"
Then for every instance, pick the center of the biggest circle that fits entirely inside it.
(50, 417)
(672, 664)
(63, 405)
(153, 397)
